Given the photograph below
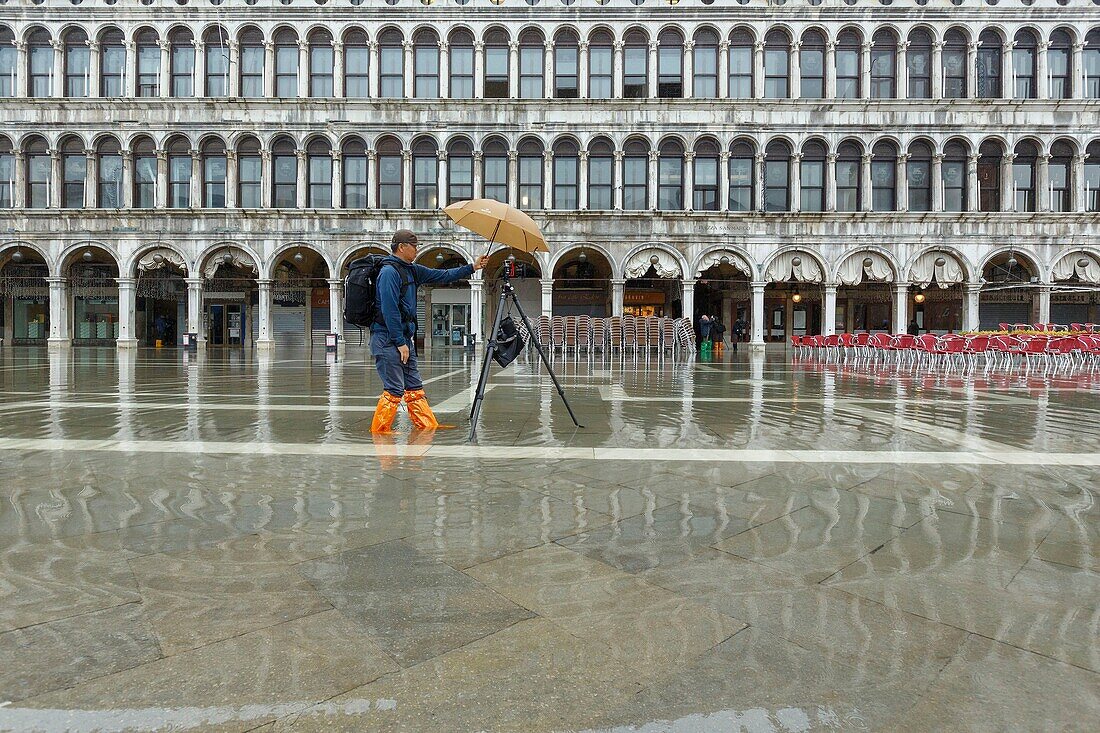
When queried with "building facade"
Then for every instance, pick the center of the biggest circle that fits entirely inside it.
(211, 167)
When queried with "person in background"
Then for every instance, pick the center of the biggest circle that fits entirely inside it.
(717, 331)
(738, 331)
(914, 329)
(704, 328)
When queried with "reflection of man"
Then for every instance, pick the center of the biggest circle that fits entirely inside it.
(393, 338)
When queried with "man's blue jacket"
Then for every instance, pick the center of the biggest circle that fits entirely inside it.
(393, 300)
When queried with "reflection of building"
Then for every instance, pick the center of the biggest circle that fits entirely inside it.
(929, 159)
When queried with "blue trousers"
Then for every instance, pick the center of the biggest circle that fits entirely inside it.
(397, 378)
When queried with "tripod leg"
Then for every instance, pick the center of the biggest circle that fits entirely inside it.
(550, 369)
(490, 349)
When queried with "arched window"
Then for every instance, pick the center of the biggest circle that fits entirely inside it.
(216, 51)
(1091, 61)
(390, 180)
(777, 176)
(811, 60)
(601, 161)
(426, 64)
(918, 176)
(249, 174)
(954, 170)
(425, 174)
(286, 64)
(847, 65)
(460, 171)
(777, 65)
(566, 65)
(284, 166)
(112, 64)
(600, 63)
(40, 60)
(356, 65)
(989, 65)
(1024, 54)
(1060, 172)
(461, 64)
(704, 64)
(77, 63)
(705, 176)
(319, 178)
(670, 176)
(848, 165)
(989, 176)
(495, 165)
(532, 48)
(1059, 66)
(252, 63)
(391, 61)
(884, 65)
(740, 64)
(181, 63)
(321, 60)
(38, 173)
(635, 65)
(496, 64)
(179, 173)
(7, 174)
(9, 59)
(954, 64)
(918, 65)
(354, 157)
(1092, 177)
(1023, 176)
(742, 176)
(884, 176)
(108, 174)
(670, 64)
(812, 176)
(145, 173)
(213, 173)
(74, 172)
(635, 176)
(566, 175)
(530, 174)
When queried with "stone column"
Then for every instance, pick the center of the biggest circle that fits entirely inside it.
(160, 194)
(477, 306)
(796, 70)
(444, 70)
(937, 70)
(971, 302)
(548, 70)
(901, 307)
(618, 288)
(758, 70)
(336, 307)
(165, 71)
(757, 326)
(301, 182)
(373, 70)
(688, 299)
(758, 183)
(689, 181)
(972, 198)
(234, 69)
(1044, 304)
(60, 310)
(198, 70)
(902, 182)
(372, 179)
(56, 182)
(901, 70)
(1077, 72)
(441, 178)
(337, 178)
(582, 70)
(194, 307)
(408, 70)
(1008, 185)
(651, 176)
(94, 65)
(19, 195)
(269, 69)
(582, 180)
(724, 181)
(865, 184)
(195, 193)
(1042, 183)
(547, 296)
(830, 69)
(865, 71)
(406, 179)
(937, 182)
(266, 176)
(1080, 197)
(1008, 72)
(830, 182)
(479, 182)
(338, 90)
(547, 179)
(513, 70)
(795, 182)
(303, 69)
(1041, 73)
(723, 69)
(829, 317)
(57, 83)
(129, 71)
(513, 178)
(972, 69)
(232, 182)
(617, 70)
(688, 70)
(127, 179)
(266, 337)
(617, 178)
(651, 72)
(127, 312)
(91, 179)
(479, 70)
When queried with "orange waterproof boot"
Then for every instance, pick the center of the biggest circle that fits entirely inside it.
(420, 413)
(385, 413)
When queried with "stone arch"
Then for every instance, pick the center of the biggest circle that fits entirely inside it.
(446, 246)
(142, 258)
(1069, 265)
(780, 265)
(271, 263)
(738, 259)
(922, 267)
(853, 268)
(670, 262)
(15, 244)
(1025, 253)
(242, 255)
(362, 249)
(71, 252)
(559, 254)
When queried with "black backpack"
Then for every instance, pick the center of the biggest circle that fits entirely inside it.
(361, 291)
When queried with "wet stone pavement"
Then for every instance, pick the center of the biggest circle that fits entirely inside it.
(214, 542)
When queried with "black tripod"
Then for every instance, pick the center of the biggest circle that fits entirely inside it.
(508, 293)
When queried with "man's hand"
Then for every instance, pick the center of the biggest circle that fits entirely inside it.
(403, 351)
(480, 263)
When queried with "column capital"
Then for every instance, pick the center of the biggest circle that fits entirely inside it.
(758, 46)
(865, 158)
(57, 280)
(441, 155)
(758, 284)
(1009, 157)
(126, 282)
(513, 155)
(582, 155)
(547, 155)
(689, 156)
(335, 283)
(653, 155)
(972, 287)
(938, 157)
(264, 283)
(194, 282)
(618, 281)
(478, 156)
(796, 157)
(583, 46)
(689, 283)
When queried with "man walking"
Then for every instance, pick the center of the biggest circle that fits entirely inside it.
(393, 340)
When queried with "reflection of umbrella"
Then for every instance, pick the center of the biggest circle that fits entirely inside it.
(498, 223)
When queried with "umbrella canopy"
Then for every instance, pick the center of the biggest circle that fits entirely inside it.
(498, 223)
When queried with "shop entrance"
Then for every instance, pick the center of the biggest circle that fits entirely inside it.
(225, 324)
(450, 322)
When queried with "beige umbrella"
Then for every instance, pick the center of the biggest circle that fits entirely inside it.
(498, 223)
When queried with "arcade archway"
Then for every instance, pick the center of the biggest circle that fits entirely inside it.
(25, 311)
